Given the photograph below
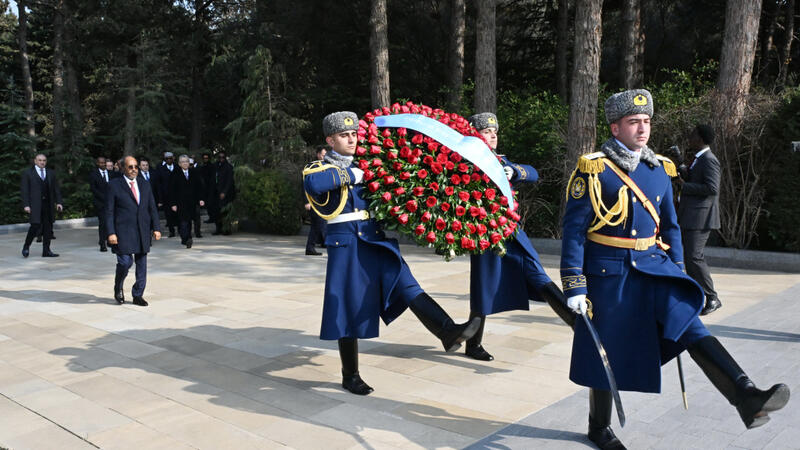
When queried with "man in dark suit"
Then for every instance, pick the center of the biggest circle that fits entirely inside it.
(164, 174)
(98, 183)
(208, 170)
(131, 216)
(698, 211)
(186, 193)
(225, 188)
(41, 198)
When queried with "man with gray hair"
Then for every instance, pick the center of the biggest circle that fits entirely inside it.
(622, 254)
(41, 198)
(187, 193)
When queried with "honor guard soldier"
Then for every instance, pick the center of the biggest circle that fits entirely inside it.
(507, 283)
(622, 254)
(366, 276)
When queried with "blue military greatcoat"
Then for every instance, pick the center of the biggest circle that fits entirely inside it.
(642, 300)
(507, 283)
(366, 276)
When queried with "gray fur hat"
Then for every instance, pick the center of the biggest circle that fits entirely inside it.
(484, 120)
(339, 121)
(635, 101)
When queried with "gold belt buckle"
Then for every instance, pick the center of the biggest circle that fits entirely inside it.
(641, 244)
(364, 215)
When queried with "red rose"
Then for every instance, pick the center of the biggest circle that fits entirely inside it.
(483, 244)
(441, 158)
(411, 205)
(460, 210)
(361, 151)
(455, 179)
(465, 179)
(434, 186)
(449, 190)
(380, 172)
(502, 220)
(495, 238)
(402, 132)
(493, 224)
(445, 206)
(404, 175)
(467, 243)
(373, 186)
(395, 210)
(463, 196)
(386, 133)
(413, 159)
(403, 218)
(374, 150)
(475, 177)
(431, 201)
(368, 175)
(474, 211)
(363, 164)
(426, 217)
(420, 229)
(388, 179)
(494, 207)
(456, 225)
(490, 193)
(433, 146)
(397, 165)
(463, 168)
(388, 143)
(405, 152)
(472, 228)
(436, 168)
(391, 155)
(422, 174)
(449, 165)
(507, 231)
(400, 191)
(377, 162)
(386, 197)
(441, 224)
(504, 200)
(486, 178)
(402, 142)
(481, 229)
(477, 195)
(449, 238)
(416, 152)
(427, 160)
(455, 157)
(431, 237)
(418, 191)
(417, 139)
(373, 139)
(482, 213)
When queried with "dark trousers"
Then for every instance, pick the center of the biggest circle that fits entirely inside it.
(185, 230)
(172, 218)
(316, 235)
(124, 263)
(102, 231)
(694, 244)
(43, 228)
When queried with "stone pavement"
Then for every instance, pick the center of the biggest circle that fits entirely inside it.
(227, 355)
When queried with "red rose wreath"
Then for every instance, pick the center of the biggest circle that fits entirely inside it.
(429, 192)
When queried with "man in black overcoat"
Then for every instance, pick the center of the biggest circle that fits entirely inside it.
(165, 172)
(98, 184)
(186, 193)
(41, 198)
(131, 218)
(225, 188)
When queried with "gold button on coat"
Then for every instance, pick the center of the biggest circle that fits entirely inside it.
(633, 232)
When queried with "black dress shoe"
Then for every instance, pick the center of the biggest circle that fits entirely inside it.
(356, 385)
(38, 239)
(171, 234)
(119, 296)
(605, 439)
(313, 252)
(198, 235)
(139, 301)
(711, 306)
(188, 243)
(479, 353)
(103, 248)
(49, 254)
(25, 252)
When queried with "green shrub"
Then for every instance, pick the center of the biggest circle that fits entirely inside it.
(269, 199)
(17, 154)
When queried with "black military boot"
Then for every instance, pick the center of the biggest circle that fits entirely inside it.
(351, 380)
(600, 431)
(474, 348)
(558, 301)
(438, 322)
(725, 374)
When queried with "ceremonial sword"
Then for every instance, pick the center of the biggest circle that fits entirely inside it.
(612, 382)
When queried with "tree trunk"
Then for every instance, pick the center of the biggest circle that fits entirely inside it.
(74, 116)
(786, 50)
(585, 78)
(58, 77)
(456, 72)
(562, 43)
(485, 58)
(379, 55)
(736, 62)
(130, 107)
(632, 45)
(27, 81)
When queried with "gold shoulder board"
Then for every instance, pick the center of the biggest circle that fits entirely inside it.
(669, 166)
(591, 163)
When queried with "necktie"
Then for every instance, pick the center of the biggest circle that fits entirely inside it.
(41, 173)
(147, 176)
(186, 173)
(133, 190)
(105, 176)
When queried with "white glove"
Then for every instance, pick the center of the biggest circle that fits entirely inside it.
(509, 172)
(358, 175)
(577, 303)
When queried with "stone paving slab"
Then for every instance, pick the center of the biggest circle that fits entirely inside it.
(227, 355)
